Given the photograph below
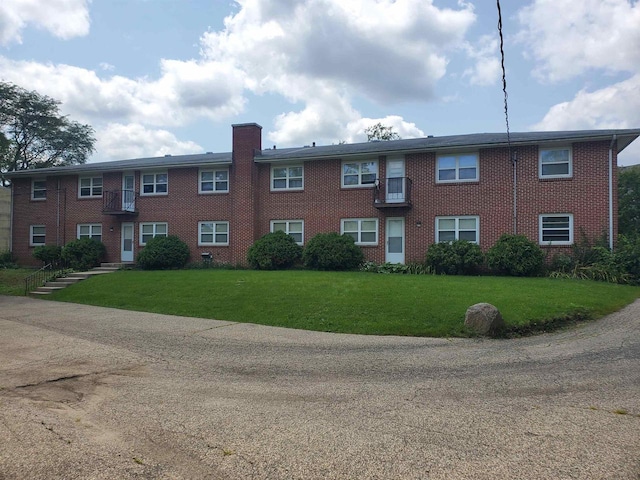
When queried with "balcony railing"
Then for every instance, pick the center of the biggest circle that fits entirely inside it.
(119, 202)
(392, 193)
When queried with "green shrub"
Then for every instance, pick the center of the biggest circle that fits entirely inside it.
(83, 254)
(274, 251)
(6, 260)
(459, 257)
(515, 255)
(163, 253)
(48, 253)
(413, 268)
(627, 255)
(331, 251)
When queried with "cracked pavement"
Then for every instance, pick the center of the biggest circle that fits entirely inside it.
(98, 393)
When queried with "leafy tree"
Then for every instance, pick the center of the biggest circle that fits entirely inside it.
(629, 201)
(380, 132)
(33, 133)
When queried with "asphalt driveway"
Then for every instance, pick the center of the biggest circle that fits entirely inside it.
(88, 392)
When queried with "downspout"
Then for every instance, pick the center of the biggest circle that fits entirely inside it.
(58, 213)
(613, 140)
(11, 217)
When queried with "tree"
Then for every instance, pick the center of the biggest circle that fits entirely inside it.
(33, 133)
(629, 201)
(380, 132)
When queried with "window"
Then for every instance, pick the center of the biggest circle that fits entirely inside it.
(449, 229)
(37, 235)
(154, 183)
(287, 178)
(457, 168)
(555, 163)
(214, 181)
(363, 230)
(90, 187)
(358, 174)
(295, 228)
(213, 233)
(151, 230)
(39, 189)
(90, 230)
(556, 229)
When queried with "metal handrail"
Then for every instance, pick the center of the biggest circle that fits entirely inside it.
(42, 276)
(119, 201)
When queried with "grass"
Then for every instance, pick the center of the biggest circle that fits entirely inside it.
(351, 302)
(12, 280)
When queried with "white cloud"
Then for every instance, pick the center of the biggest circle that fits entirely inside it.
(118, 141)
(63, 18)
(568, 38)
(487, 68)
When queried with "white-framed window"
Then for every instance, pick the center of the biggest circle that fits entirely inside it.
(37, 235)
(213, 233)
(363, 230)
(90, 187)
(555, 162)
(556, 229)
(39, 189)
(457, 168)
(155, 183)
(150, 230)
(289, 177)
(466, 228)
(295, 228)
(213, 180)
(90, 230)
(359, 174)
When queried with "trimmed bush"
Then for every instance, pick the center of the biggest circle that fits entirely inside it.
(48, 253)
(515, 255)
(83, 254)
(274, 251)
(459, 257)
(331, 251)
(163, 253)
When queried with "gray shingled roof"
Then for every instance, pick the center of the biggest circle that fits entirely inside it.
(476, 140)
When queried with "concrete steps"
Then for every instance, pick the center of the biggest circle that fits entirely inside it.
(63, 282)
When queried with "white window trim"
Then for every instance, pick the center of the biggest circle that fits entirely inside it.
(91, 228)
(214, 243)
(33, 189)
(457, 226)
(360, 184)
(214, 171)
(155, 224)
(155, 183)
(360, 220)
(288, 226)
(540, 231)
(287, 178)
(91, 187)
(31, 242)
(457, 157)
(570, 170)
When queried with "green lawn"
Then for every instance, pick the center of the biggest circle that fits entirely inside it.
(12, 280)
(353, 302)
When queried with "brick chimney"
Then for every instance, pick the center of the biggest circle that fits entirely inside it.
(247, 139)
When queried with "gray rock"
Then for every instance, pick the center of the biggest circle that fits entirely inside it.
(484, 319)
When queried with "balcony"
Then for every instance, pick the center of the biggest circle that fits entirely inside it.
(119, 202)
(392, 193)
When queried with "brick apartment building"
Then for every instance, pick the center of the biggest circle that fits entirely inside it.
(395, 198)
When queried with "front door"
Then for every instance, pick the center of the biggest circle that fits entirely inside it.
(128, 193)
(394, 252)
(395, 180)
(126, 254)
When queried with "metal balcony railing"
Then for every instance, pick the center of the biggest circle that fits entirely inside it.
(392, 192)
(119, 202)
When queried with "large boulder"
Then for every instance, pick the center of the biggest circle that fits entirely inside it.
(484, 319)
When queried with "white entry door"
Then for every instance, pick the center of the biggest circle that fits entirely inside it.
(128, 193)
(396, 187)
(126, 254)
(394, 252)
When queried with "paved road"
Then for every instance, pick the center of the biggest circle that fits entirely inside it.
(100, 393)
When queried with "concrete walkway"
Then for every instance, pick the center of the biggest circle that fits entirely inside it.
(97, 393)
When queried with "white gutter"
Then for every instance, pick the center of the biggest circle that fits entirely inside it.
(613, 140)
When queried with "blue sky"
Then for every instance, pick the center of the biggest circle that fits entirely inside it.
(155, 77)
